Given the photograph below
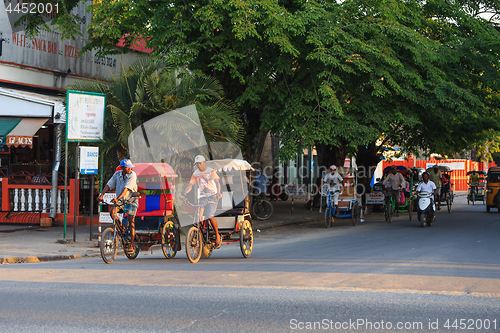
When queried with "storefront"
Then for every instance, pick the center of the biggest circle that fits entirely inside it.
(34, 73)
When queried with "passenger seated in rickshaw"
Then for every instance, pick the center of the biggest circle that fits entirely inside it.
(446, 184)
(210, 192)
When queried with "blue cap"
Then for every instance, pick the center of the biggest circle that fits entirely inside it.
(126, 163)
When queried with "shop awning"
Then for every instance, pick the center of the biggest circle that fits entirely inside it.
(22, 134)
(6, 126)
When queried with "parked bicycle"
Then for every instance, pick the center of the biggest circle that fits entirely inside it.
(261, 208)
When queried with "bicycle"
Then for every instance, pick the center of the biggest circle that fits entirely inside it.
(388, 203)
(200, 239)
(261, 208)
(330, 208)
(110, 236)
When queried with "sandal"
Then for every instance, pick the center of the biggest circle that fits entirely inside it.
(130, 250)
(217, 245)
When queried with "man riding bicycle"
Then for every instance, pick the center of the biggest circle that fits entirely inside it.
(394, 183)
(474, 180)
(333, 180)
(210, 193)
(125, 184)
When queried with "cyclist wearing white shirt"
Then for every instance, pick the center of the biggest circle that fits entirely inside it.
(333, 180)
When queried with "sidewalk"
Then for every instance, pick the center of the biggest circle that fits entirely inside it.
(23, 243)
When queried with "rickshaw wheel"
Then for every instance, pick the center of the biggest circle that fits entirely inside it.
(137, 249)
(207, 250)
(169, 240)
(246, 239)
(328, 218)
(448, 204)
(193, 245)
(355, 214)
(109, 247)
(410, 210)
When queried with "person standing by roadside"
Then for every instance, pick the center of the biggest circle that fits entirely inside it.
(261, 181)
(436, 177)
(124, 182)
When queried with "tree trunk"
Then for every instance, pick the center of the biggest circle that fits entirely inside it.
(328, 155)
(367, 158)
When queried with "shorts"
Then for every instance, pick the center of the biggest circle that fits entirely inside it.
(438, 191)
(209, 208)
(335, 195)
(130, 209)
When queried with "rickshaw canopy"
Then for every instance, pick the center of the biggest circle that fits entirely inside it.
(399, 168)
(153, 170)
(442, 168)
(228, 164)
(481, 173)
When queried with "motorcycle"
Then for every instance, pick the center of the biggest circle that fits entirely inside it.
(425, 209)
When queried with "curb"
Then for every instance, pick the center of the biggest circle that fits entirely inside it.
(19, 260)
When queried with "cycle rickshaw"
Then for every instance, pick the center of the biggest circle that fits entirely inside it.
(446, 196)
(478, 192)
(406, 201)
(349, 203)
(233, 213)
(155, 223)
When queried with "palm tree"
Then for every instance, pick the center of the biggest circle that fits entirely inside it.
(149, 88)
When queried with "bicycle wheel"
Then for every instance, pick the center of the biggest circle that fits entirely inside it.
(246, 239)
(386, 211)
(448, 204)
(137, 249)
(193, 245)
(169, 240)
(328, 217)
(262, 210)
(473, 197)
(109, 245)
(355, 212)
(390, 213)
(410, 209)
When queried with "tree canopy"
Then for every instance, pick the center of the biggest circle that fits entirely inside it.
(357, 74)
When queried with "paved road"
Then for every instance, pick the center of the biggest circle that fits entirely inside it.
(398, 273)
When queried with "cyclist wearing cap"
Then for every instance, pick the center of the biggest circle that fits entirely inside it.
(125, 184)
(210, 193)
(333, 180)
